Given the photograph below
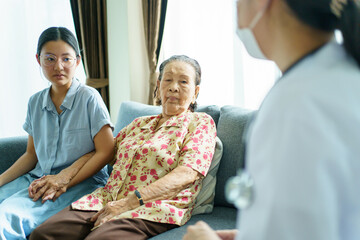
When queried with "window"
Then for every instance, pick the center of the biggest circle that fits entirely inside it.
(22, 23)
(205, 30)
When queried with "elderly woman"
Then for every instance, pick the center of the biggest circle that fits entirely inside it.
(159, 165)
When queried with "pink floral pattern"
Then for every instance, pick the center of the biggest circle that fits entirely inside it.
(144, 155)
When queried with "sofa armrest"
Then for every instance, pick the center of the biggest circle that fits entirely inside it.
(10, 150)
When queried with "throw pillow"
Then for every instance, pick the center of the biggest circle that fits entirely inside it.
(205, 199)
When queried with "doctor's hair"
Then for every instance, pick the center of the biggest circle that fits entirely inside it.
(328, 15)
(55, 34)
(180, 58)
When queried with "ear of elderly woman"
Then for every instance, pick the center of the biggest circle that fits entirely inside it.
(163, 158)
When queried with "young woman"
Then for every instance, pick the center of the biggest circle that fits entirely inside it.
(303, 147)
(64, 122)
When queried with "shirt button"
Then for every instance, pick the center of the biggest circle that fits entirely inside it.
(239, 190)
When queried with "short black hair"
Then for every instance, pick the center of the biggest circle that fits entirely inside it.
(320, 14)
(55, 34)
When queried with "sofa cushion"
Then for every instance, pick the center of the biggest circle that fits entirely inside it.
(230, 130)
(131, 110)
(205, 199)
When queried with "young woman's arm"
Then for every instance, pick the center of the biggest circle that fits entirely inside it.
(52, 186)
(23, 165)
(104, 153)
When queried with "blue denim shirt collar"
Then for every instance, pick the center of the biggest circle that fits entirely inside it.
(68, 101)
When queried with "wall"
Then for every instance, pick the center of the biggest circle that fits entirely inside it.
(128, 67)
(139, 66)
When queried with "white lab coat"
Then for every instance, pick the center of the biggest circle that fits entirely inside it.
(303, 153)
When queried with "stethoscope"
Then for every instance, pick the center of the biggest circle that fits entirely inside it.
(239, 190)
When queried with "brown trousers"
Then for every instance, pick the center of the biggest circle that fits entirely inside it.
(72, 224)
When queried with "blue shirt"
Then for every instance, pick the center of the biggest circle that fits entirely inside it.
(60, 139)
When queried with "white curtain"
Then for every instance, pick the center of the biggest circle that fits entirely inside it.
(205, 30)
(22, 22)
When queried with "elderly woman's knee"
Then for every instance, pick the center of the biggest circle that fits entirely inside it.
(39, 233)
(36, 234)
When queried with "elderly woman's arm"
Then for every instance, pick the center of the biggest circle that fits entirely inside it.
(52, 186)
(166, 187)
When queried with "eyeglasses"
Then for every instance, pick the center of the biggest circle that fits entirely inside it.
(50, 60)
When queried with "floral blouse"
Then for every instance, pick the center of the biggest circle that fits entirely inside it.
(143, 155)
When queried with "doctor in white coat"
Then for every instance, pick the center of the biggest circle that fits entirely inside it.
(303, 148)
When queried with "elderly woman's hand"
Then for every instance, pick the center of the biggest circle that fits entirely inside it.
(200, 231)
(228, 234)
(49, 187)
(111, 210)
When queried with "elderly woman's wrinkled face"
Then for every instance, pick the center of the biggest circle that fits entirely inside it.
(177, 88)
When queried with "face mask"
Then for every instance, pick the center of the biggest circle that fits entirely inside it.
(248, 39)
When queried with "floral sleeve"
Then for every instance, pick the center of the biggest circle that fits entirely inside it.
(199, 144)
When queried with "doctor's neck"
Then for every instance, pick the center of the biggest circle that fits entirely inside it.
(292, 39)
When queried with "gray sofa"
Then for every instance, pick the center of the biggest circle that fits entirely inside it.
(230, 122)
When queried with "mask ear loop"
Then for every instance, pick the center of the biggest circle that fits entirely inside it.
(258, 16)
(256, 19)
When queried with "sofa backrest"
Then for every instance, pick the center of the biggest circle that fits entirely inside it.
(230, 121)
(230, 129)
(10, 150)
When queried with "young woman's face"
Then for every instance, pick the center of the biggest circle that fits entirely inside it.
(177, 88)
(58, 61)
